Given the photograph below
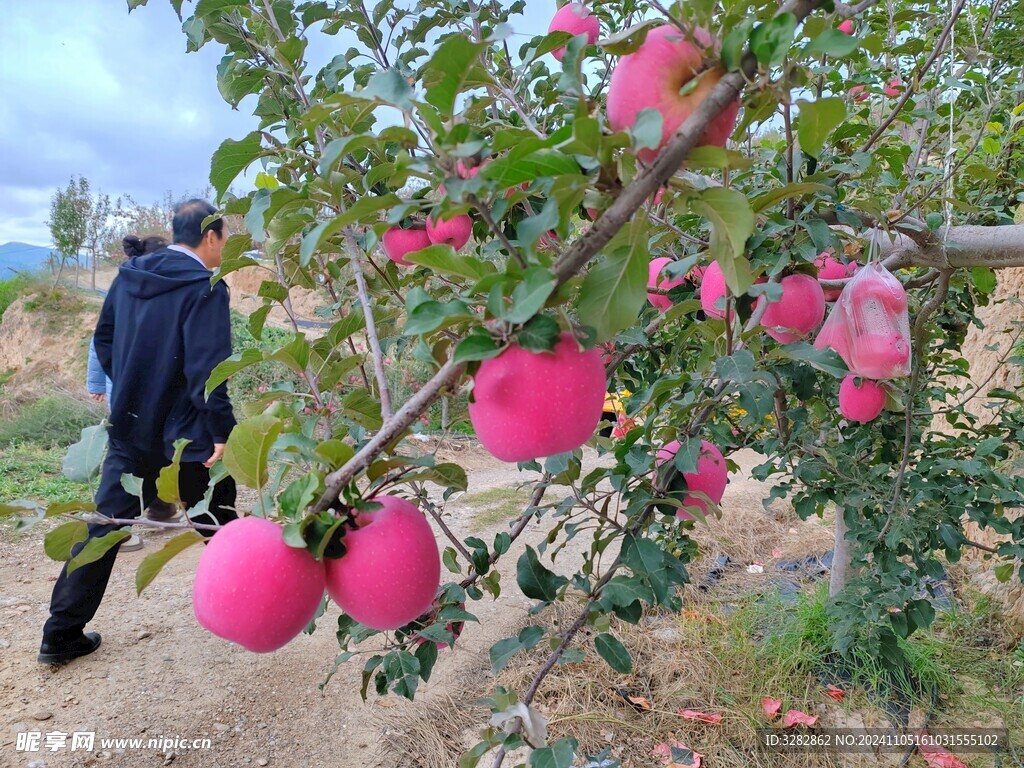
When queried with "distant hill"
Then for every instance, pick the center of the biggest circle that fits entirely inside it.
(26, 258)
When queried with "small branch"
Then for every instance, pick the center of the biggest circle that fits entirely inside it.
(449, 373)
(908, 91)
(982, 547)
(97, 518)
(485, 214)
(431, 508)
(371, 334)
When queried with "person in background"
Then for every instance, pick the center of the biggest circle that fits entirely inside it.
(162, 330)
(100, 387)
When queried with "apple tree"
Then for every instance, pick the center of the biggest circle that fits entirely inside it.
(490, 201)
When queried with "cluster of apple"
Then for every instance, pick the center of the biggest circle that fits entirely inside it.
(257, 591)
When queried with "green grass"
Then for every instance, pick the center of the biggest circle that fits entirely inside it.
(494, 506)
(50, 422)
(31, 472)
(10, 290)
(784, 652)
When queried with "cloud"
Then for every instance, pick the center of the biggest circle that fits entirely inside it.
(92, 90)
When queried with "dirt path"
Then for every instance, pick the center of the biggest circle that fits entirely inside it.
(159, 674)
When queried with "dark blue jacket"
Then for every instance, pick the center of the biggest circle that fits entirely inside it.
(161, 332)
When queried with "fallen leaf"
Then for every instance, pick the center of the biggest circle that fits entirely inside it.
(703, 717)
(796, 717)
(835, 692)
(938, 757)
(677, 755)
(771, 707)
(639, 703)
(387, 703)
(776, 553)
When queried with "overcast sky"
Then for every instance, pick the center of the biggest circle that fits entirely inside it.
(89, 90)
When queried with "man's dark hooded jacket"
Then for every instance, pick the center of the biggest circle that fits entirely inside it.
(162, 330)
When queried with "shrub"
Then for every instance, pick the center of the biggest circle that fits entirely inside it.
(53, 421)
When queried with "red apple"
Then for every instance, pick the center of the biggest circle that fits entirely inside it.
(711, 476)
(862, 403)
(253, 589)
(651, 78)
(391, 569)
(846, 27)
(454, 231)
(711, 280)
(531, 404)
(894, 88)
(398, 242)
(576, 19)
(859, 93)
(800, 310)
(830, 268)
(660, 300)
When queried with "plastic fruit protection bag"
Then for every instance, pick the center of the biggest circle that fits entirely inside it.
(869, 326)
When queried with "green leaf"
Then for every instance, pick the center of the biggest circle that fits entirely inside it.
(771, 40)
(231, 158)
(540, 334)
(512, 170)
(732, 222)
(647, 129)
(132, 485)
(431, 315)
(476, 346)
(823, 359)
(335, 453)
(797, 189)
(833, 43)
(84, 459)
(628, 40)
(529, 296)
(255, 219)
(614, 653)
(1003, 572)
(614, 290)
(530, 229)
(152, 563)
(559, 755)
(446, 75)
(167, 480)
(362, 409)
(60, 540)
(503, 650)
(735, 44)
(536, 581)
(61, 508)
(95, 548)
(645, 559)
(816, 120)
(984, 280)
(245, 455)
(444, 260)
(388, 87)
(403, 670)
(231, 366)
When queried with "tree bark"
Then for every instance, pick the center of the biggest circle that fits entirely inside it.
(840, 557)
(965, 246)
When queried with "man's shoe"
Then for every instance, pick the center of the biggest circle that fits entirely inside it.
(163, 512)
(132, 544)
(62, 653)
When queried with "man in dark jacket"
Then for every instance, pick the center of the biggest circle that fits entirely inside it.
(161, 331)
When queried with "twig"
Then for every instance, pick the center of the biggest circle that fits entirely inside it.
(485, 214)
(371, 333)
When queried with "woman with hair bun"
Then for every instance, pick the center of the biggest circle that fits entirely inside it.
(100, 386)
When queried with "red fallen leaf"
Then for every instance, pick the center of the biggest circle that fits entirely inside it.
(703, 717)
(938, 757)
(796, 717)
(834, 692)
(771, 707)
(677, 755)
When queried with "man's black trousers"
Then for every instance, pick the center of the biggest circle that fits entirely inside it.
(77, 597)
